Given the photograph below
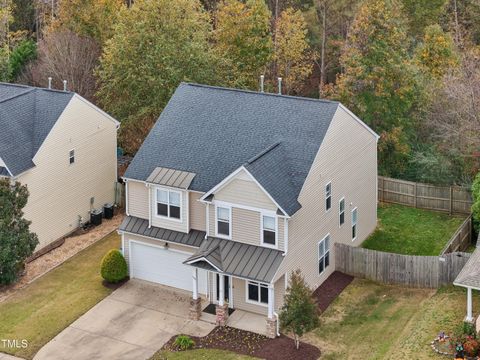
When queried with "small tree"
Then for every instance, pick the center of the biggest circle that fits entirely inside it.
(114, 267)
(16, 241)
(299, 313)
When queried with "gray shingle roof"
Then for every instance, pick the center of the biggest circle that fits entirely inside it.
(4, 171)
(238, 259)
(470, 274)
(212, 131)
(134, 225)
(27, 115)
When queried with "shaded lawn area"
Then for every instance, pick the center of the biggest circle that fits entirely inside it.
(44, 308)
(201, 354)
(374, 321)
(410, 231)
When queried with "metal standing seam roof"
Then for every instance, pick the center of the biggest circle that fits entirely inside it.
(470, 274)
(137, 226)
(238, 259)
(171, 177)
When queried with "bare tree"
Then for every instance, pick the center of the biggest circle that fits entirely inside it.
(66, 56)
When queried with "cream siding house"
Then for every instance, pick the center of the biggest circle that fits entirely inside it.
(233, 190)
(64, 151)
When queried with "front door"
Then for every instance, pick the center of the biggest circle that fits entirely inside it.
(227, 288)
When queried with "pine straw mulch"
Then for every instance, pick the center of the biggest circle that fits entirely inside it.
(248, 343)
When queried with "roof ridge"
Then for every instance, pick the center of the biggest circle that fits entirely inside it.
(252, 92)
(28, 91)
(263, 152)
(29, 87)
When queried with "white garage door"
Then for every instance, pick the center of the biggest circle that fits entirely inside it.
(165, 267)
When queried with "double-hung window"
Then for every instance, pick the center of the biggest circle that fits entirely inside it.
(341, 211)
(257, 293)
(224, 221)
(269, 230)
(323, 254)
(168, 203)
(328, 196)
(354, 224)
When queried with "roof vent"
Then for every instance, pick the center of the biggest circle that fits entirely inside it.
(64, 85)
(262, 79)
(280, 86)
(49, 82)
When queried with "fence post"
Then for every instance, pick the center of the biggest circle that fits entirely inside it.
(415, 194)
(383, 189)
(451, 200)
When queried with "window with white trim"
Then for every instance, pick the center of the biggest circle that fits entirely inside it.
(323, 254)
(71, 156)
(257, 293)
(269, 230)
(169, 203)
(341, 211)
(224, 221)
(354, 224)
(328, 196)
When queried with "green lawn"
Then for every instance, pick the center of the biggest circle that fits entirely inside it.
(373, 321)
(410, 231)
(42, 309)
(203, 354)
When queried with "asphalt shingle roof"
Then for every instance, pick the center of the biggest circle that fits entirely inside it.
(470, 274)
(27, 115)
(212, 131)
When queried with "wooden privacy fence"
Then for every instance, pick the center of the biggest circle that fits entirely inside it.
(452, 199)
(462, 238)
(408, 270)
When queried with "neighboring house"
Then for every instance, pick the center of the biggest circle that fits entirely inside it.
(64, 149)
(246, 187)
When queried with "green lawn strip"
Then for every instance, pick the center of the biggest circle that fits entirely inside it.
(44, 308)
(201, 354)
(410, 231)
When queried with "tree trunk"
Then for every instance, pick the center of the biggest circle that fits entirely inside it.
(322, 60)
(457, 30)
(297, 341)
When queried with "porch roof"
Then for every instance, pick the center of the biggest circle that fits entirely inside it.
(470, 274)
(237, 259)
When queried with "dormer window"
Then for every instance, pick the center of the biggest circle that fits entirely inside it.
(269, 230)
(224, 222)
(169, 203)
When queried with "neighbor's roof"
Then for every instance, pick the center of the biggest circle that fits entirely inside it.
(238, 259)
(27, 115)
(470, 274)
(212, 131)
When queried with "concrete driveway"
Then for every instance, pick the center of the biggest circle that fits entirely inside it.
(131, 323)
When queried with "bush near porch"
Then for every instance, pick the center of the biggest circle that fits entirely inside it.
(411, 231)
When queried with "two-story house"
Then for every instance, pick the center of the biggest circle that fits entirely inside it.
(233, 190)
(64, 149)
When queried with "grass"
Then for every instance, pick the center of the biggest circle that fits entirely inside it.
(410, 231)
(374, 321)
(202, 354)
(41, 310)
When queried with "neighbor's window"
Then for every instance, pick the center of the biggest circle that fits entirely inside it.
(257, 292)
(328, 196)
(168, 203)
(71, 156)
(323, 254)
(269, 235)
(354, 224)
(341, 211)
(223, 221)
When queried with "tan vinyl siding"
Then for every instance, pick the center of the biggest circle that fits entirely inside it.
(197, 212)
(172, 224)
(279, 290)
(240, 299)
(347, 158)
(245, 192)
(137, 199)
(60, 192)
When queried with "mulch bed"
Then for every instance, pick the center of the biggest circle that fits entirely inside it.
(331, 288)
(248, 343)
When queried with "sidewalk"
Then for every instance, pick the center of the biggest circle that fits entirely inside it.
(4, 356)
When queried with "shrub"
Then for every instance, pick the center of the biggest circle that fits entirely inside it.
(114, 266)
(476, 202)
(471, 347)
(469, 329)
(184, 342)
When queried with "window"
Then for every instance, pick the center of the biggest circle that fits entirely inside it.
(341, 211)
(224, 221)
(323, 254)
(257, 292)
(328, 196)
(269, 233)
(71, 156)
(168, 203)
(354, 224)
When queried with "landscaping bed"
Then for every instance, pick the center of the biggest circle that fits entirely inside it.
(248, 343)
(326, 293)
(411, 231)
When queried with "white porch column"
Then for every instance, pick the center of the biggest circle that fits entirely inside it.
(469, 305)
(221, 288)
(271, 301)
(195, 283)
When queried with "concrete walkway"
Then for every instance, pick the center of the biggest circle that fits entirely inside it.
(4, 356)
(131, 323)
